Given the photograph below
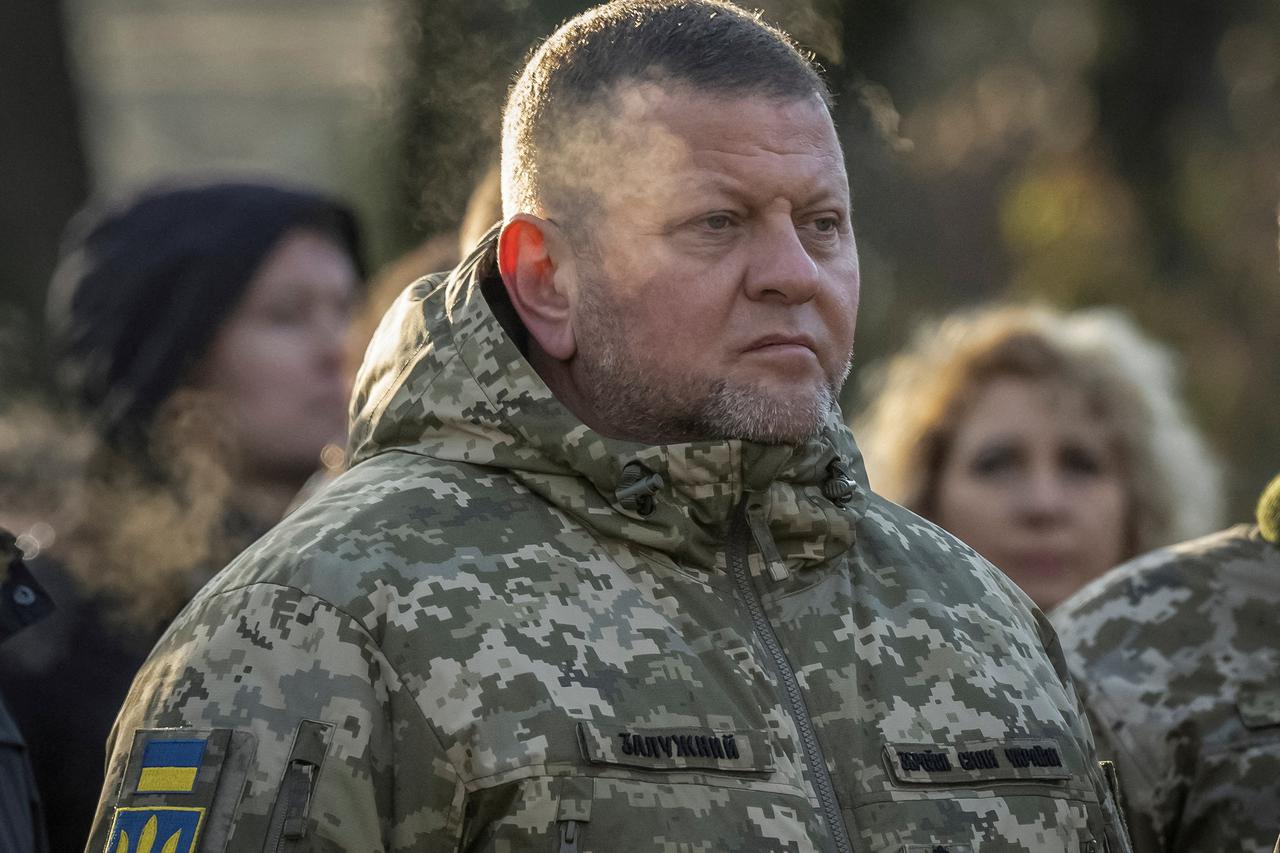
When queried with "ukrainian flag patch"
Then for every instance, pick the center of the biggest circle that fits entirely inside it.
(158, 829)
(170, 766)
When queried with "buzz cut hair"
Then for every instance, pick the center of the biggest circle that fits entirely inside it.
(710, 46)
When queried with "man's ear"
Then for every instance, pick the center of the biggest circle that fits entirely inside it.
(536, 267)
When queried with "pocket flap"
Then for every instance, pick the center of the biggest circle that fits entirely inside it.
(676, 748)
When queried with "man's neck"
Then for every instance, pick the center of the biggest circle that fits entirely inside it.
(563, 386)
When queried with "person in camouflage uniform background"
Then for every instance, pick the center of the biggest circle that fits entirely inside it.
(1177, 657)
(530, 617)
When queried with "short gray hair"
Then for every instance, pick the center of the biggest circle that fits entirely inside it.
(709, 45)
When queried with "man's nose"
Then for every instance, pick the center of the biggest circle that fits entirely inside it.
(782, 269)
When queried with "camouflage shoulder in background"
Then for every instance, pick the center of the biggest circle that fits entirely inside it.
(501, 631)
(1177, 656)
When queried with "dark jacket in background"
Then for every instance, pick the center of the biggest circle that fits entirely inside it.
(22, 602)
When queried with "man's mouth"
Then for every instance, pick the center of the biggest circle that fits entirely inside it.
(782, 343)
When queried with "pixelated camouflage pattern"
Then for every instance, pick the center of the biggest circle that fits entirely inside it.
(1177, 657)
(473, 602)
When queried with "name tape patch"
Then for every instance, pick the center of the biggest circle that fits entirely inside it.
(1019, 759)
(675, 748)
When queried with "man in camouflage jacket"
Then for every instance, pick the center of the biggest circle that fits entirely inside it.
(1177, 656)
(547, 610)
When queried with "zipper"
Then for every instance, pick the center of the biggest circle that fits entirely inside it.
(569, 831)
(290, 819)
(288, 823)
(739, 539)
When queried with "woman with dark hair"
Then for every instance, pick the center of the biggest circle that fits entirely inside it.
(199, 329)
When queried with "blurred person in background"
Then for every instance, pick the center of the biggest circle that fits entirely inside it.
(1053, 443)
(1177, 658)
(440, 252)
(22, 603)
(200, 330)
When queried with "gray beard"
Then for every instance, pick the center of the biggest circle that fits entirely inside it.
(640, 403)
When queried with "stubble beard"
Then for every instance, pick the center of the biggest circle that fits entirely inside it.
(628, 391)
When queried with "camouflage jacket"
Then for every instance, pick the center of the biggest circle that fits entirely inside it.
(500, 631)
(1177, 656)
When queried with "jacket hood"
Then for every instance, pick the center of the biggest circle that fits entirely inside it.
(445, 378)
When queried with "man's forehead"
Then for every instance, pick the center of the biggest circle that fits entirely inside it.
(658, 132)
(686, 109)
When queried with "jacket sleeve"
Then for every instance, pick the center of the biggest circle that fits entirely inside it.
(314, 744)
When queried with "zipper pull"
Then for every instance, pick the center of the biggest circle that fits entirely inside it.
(764, 539)
(568, 836)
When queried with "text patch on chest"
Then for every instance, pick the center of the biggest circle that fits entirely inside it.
(1018, 759)
(675, 748)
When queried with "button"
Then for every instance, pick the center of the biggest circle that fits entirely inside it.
(24, 595)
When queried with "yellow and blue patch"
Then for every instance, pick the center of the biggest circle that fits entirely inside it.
(158, 829)
(170, 766)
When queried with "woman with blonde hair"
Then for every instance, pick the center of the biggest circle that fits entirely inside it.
(1053, 443)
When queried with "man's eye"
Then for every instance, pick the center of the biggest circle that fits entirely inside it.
(826, 224)
(717, 222)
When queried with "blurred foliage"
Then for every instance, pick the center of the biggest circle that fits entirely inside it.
(1077, 152)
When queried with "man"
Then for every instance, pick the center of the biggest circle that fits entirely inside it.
(1177, 656)
(605, 574)
(22, 602)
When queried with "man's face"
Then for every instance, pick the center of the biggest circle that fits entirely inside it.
(718, 295)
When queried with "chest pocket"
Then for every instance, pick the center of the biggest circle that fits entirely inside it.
(988, 795)
(645, 789)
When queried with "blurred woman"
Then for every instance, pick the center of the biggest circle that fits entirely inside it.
(199, 330)
(1052, 443)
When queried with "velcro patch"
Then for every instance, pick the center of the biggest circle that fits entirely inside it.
(170, 765)
(675, 748)
(180, 790)
(1018, 759)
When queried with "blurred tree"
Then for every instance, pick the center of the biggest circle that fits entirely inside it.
(42, 176)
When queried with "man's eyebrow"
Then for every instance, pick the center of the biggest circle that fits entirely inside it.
(826, 195)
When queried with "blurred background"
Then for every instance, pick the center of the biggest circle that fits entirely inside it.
(1078, 152)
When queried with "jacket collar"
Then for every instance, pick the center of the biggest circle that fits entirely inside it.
(444, 378)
